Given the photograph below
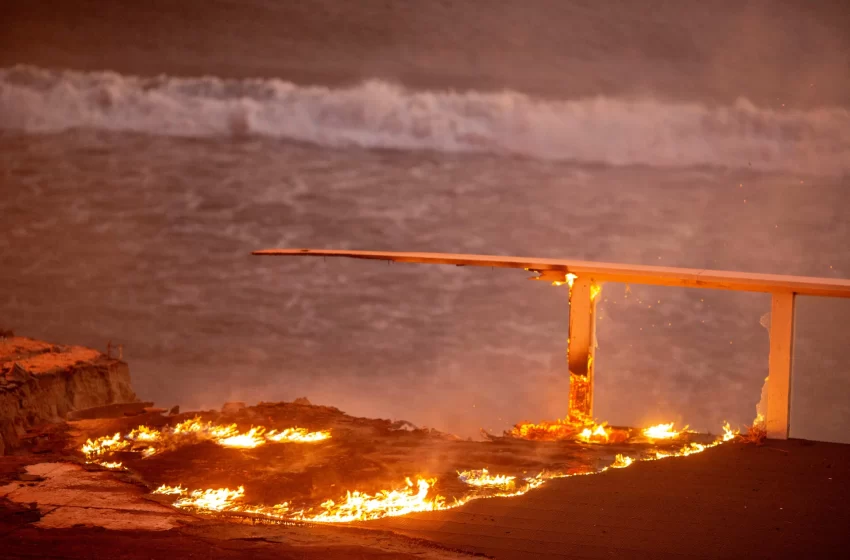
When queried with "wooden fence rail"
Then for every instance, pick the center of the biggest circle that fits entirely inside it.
(583, 276)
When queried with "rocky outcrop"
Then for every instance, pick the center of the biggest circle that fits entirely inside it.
(42, 382)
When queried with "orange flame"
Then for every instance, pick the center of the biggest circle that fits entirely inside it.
(415, 496)
(621, 461)
(224, 435)
(297, 435)
(483, 479)
(663, 431)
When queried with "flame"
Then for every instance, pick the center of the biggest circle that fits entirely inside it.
(621, 461)
(689, 449)
(168, 438)
(297, 435)
(253, 438)
(569, 280)
(416, 495)
(359, 506)
(413, 496)
(663, 431)
(105, 444)
(597, 433)
(211, 500)
(595, 290)
(483, 478)
(165, 489)
(578, 429)
(143, 433)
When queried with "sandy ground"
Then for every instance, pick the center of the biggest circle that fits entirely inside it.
(781, 500)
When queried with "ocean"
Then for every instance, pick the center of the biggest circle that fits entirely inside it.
(147, 148)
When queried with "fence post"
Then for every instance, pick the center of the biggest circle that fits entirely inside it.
(581, 346)
(778, 419)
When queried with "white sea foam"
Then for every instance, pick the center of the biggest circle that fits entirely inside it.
(376, 114)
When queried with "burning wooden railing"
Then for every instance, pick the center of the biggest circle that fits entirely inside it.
(585, 279)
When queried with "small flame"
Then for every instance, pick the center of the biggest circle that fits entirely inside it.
(143, 433)
(211, 500)
(689, 449)
(483, 479)
(595, 290)
(105, 444)
(597, 433)
(297, 435)
(569, 280)
(251, 439)
(621, 461)
(110, 465)
(728, 434)
(169, 490)
(662, 431)
(359, 506)
(224, 435)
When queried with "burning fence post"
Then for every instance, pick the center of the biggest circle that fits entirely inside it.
(779, 365)
(581, 347)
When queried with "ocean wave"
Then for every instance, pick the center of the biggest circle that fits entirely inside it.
(376, 114)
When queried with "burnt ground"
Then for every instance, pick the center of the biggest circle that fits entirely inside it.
(363, 454)
(783, 499)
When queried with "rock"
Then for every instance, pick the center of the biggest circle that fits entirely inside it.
(30, 477)
(232, 407)
(19, 374)
(302, 400)
(62, 383)
(116, 410)
(153, 410)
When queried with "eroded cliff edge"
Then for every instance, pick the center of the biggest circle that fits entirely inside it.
(42, 382)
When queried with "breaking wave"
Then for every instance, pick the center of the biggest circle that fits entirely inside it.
(376, 114)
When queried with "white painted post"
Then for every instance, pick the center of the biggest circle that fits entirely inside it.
(581, 346)
(779, 365)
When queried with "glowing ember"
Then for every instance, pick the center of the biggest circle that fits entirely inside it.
(109, 465)
(662, 431)
(483, 478)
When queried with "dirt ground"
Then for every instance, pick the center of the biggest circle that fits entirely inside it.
(783, 499)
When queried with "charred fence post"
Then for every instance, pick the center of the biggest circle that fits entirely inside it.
(778, 419)
(581, 347)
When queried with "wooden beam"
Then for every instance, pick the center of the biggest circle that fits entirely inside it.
(779, 366)
(608, 272)
(581, 347)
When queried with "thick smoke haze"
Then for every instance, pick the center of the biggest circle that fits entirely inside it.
(147, 148)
